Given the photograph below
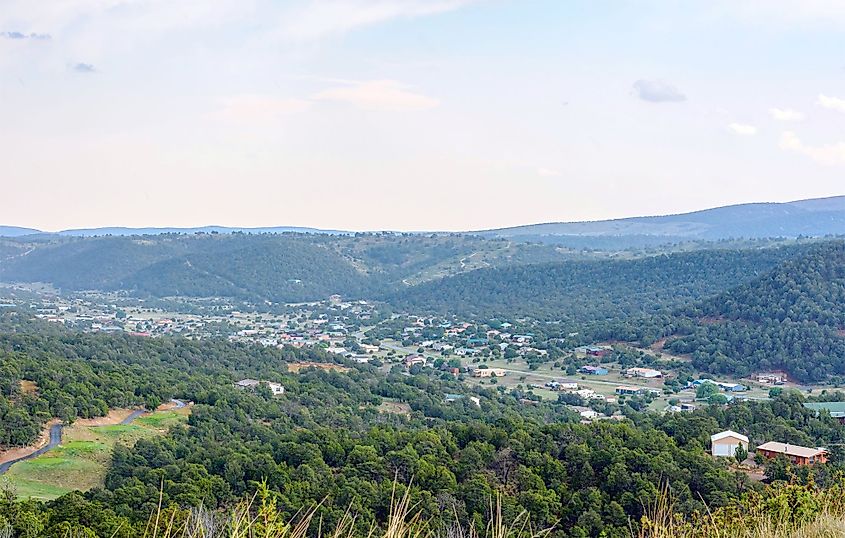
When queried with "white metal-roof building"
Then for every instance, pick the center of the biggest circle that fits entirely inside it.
(724, 444)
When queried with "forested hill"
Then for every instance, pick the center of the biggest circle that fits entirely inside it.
(272, 267)
(594, 290)
(792, 318)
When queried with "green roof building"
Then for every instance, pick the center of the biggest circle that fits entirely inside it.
(836, 409)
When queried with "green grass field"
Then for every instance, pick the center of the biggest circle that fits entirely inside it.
(81, 461)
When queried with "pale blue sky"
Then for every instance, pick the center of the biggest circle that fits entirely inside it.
(413, 114)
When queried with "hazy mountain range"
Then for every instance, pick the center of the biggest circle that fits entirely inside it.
(815, 217)
(15, 231)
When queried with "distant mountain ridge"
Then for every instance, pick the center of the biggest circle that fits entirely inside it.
(13, 231)
(813, 217)
(16, 231)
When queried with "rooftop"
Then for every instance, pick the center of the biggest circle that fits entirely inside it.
(791, 450)
(726, 434)
(836, 409)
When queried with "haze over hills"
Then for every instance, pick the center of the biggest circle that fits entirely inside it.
(16, 231)
(13, 231)
(278, 268)
(813, 217)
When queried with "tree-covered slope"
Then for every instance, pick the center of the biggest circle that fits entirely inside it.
(273, 267)
(327, 442)
(593, 290)
(791, 318)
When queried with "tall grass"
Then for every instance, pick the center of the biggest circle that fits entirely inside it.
(789, 511)
(260, 517)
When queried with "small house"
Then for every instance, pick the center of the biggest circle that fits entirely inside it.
(488, 372)
(647, 373)
(799, 455)
(414, 359)
(252, 384)
(725, 444)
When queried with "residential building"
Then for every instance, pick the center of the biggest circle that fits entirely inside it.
(414, 359)
(488, 372)
(252, 384)
(588, 394)
(835, 409)
(773, 378)
(799, 455)
(725, 444)
(597, 351)
(648, 373)
(629, 390)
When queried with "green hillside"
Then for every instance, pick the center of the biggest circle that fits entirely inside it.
(273, 267)
(791, 318)
(593, 290)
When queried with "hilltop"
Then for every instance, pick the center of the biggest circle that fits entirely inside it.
(815, 218)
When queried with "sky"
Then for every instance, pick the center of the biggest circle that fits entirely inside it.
(413, 114)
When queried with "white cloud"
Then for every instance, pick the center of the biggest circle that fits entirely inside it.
(658, 91)
(320, 18)
(378, 95)
(833, 103)
(743, 129)
(829, 154)
(786, 114)
(250, 107)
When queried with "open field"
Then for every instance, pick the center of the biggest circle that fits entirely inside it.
(389, 405)
(81, 460)
(28, 387)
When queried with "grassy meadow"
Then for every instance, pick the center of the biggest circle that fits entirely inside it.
(81, 460)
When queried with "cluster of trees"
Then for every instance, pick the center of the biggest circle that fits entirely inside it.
(328, 440)
(583, 291)
(791, 318)
(84, 375)
(280, 268)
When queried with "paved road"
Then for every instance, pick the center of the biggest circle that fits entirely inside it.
(132, 416)
(55, 439)
(56, 436)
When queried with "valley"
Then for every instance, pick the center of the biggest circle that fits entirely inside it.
(337, 367)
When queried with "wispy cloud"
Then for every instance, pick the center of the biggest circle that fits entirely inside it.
(657, 91)
(833, 103)
(84, 68)
(829, 154)
(786, 114)
(21, 35)
(320, 18)
(743, 129)
(378, 95)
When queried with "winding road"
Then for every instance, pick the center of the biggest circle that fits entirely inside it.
(56, 436)
(55, 439)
